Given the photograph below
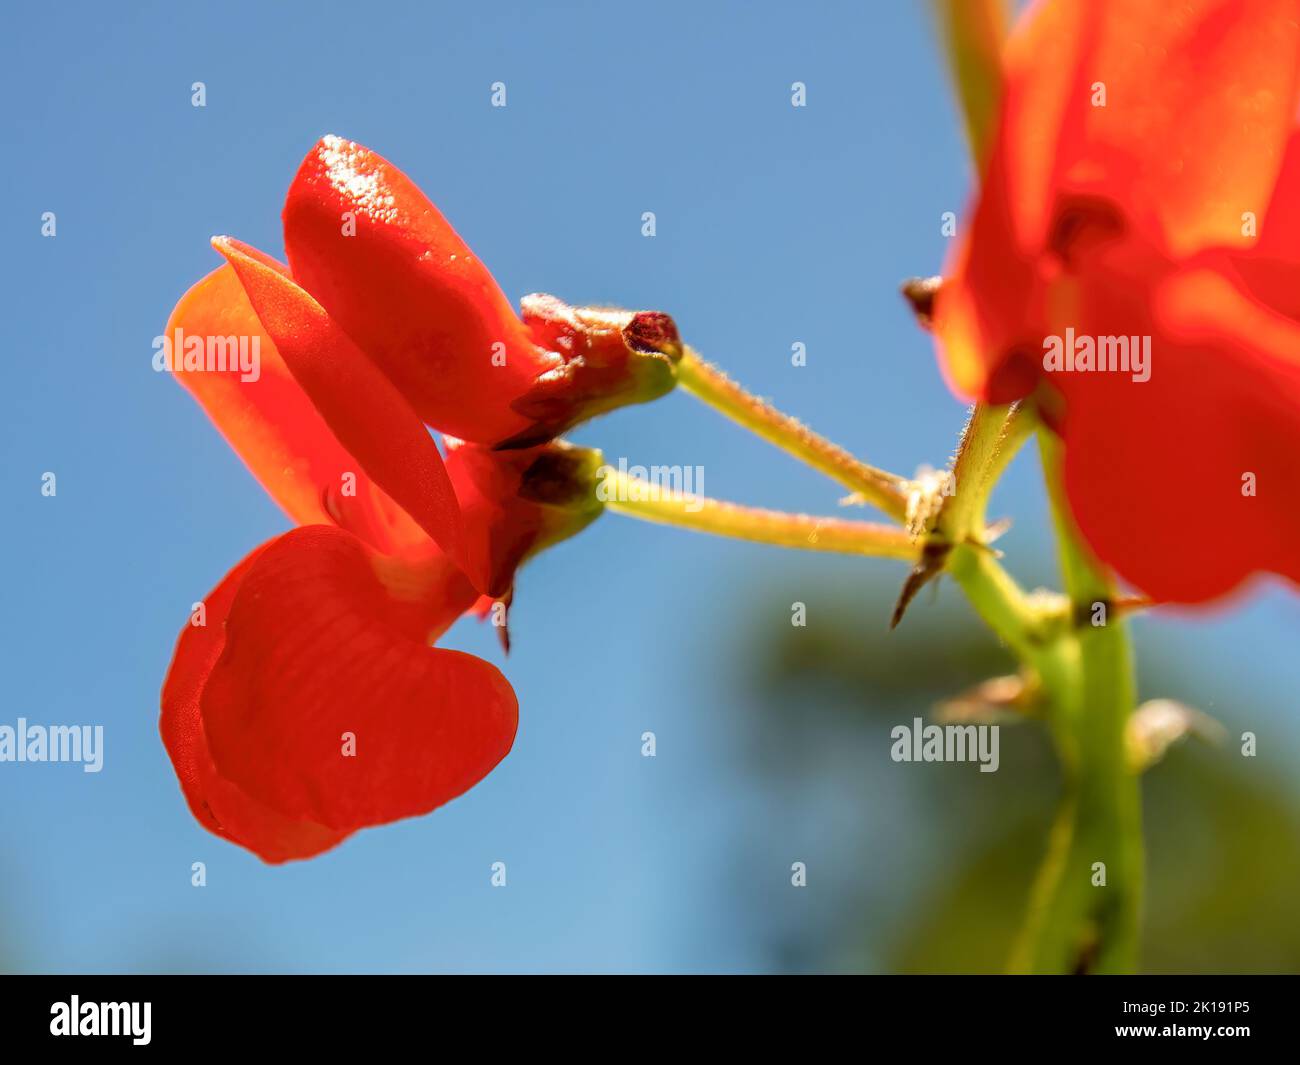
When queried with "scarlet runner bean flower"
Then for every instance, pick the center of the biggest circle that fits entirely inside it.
(319, 639)
(322, 633)
(418, 330)
(1144, 182)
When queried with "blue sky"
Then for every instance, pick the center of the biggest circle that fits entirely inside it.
(775, 225)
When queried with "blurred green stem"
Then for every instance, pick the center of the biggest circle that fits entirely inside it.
(1086, 900)
(972, 32)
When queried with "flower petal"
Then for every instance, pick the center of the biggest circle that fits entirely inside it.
(320, 653)
(1186, 483)
(1271, 269)
(990, 305)
(1199, 102)
(366, 413)
(273, 426)
(220, 806)
(1128, 120)
(371, 248)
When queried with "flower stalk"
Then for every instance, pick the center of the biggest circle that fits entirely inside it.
(640, 499)
(706, 382)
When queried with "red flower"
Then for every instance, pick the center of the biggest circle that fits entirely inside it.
(309, 703)
(1145, 183)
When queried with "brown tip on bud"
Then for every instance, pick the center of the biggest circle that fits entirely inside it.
(655, 333)
(920, 293)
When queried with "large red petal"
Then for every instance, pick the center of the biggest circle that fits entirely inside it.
(273, 426)
(361, 406)
(1187, 483)
(219, 805)
(368, 244)
(317, 650)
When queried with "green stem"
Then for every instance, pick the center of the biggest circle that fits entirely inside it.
(1086, 900)
(1000, 602)
(947, 510)
(1083, 916)
(709, 384)
(807, 532)
(989, 442)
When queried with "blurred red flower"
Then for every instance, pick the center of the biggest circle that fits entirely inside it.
(1143, 194)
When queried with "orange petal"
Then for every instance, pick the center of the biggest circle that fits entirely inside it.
(272, 425)
(1199, 102)
(367, 414)
(1270, 270)
(991, 302)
